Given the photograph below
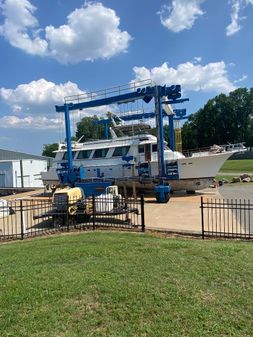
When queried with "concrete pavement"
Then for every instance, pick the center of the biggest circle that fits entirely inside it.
(181, 213)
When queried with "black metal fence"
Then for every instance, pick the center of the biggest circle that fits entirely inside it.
(227, 218)
(24, 218)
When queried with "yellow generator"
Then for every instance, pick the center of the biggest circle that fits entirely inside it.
(70, 200)
(69, 205)
(67, 197)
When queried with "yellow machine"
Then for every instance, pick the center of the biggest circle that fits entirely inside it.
(67, 197)
(73, 201)
(71, 205)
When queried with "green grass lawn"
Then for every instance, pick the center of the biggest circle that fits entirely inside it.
(219, 177)
(240, 166)
(125, 284)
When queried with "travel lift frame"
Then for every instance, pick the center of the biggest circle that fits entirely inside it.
(73, 176)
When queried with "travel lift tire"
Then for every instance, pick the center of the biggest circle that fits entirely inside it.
(162, 193)
(162, 199)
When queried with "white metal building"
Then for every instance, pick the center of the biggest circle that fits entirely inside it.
(19, 169)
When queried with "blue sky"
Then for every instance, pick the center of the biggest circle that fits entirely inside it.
(53, 48)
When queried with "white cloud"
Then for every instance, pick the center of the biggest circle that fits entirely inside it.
(243, 78)
(30, 122)
(19, 22)
(211, 77)
(91, 32)
(38, 96)
(234, 26)
(181, 15)
(33, 105)
(237, 7)
(197, 59)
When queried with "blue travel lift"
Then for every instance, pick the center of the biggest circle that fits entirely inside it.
(75, 176)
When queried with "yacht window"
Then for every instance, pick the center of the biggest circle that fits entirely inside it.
(84, 154)
(154, 147)
(141, 148)
(121, 151)
(65, 156)
(100, 153)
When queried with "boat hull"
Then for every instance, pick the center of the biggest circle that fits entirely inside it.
(202, 166)
(189, 185)
(194, 173)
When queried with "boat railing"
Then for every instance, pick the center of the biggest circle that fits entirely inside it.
(109, 92)
(237, 147)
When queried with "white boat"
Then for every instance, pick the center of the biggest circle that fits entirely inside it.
(131, 158)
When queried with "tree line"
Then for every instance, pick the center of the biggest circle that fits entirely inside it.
(223, 119)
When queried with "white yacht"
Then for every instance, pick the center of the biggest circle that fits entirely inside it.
(128, 158)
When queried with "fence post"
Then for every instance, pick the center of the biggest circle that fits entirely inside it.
(67, 214)
(21, 219)
(142, 214)
(202, 219)
(93, 212)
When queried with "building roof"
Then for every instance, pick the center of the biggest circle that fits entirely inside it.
(14, 155)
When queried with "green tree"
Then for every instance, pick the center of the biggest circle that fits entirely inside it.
(189, 135)
(86, 128)
(89, 130)
(48, 149)
(223, 119)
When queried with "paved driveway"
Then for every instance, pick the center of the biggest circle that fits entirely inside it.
(237, 191)
(181, 213)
